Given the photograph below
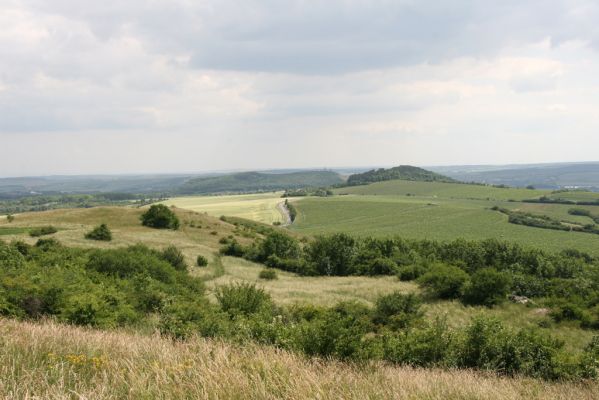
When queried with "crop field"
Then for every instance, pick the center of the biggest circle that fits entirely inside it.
(442, 190)
(436, 218)
(257, 207)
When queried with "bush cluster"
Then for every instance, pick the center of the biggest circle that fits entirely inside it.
(42, 231)
(160, 216)
(100, 232)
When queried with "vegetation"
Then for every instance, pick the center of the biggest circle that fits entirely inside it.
(246, 182)
(291, 210)
(201, 261)
(42, 231)
(403, 172)
(100, 232)
(160, 216)
(319, 192)
(50, 361)
(268, 274)
(545, 222)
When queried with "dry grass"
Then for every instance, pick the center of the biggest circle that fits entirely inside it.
(257, 207)
(50, 361)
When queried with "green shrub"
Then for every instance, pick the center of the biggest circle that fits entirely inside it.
(10, 257)
(160, 216)
(100, 232)
(174, 257)
(486, 287)
(444, 281)
(410, 272)
(397, 310)
(268, 274)
(233, 248)
(242, 299)
(42, 231)
(201, 261)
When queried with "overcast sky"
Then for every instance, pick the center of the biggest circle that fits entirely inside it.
(193, 85)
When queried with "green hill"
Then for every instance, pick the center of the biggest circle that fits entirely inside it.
(259, 181)
(404, 172)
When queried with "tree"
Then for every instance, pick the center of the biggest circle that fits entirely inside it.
(160, 216)
(444, 281)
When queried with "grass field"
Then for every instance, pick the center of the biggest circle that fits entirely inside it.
(258, 207)
(49, 361)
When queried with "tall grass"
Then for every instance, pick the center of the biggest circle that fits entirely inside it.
(50, 361)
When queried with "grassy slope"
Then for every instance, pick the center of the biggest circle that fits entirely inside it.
(58, 362)
(257, 207)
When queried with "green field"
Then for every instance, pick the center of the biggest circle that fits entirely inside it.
(257, 207)
(441, 211)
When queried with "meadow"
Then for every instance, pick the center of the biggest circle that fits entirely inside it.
(48, 361)
(257, 207)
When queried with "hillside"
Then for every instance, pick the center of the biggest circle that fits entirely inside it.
(548, 176)
(51, 361)
(259, 181)
(404, 172)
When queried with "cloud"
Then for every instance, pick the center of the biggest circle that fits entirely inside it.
(265, 83)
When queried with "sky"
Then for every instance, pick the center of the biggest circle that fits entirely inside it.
(150, 86)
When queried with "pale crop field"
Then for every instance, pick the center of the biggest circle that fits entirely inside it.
(257, 207)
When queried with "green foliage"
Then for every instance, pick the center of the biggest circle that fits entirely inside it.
(444, 281)
(174, 257)
(332, 255)
(404, 172)
(268, 274)
(242, 298)
(42, 231)
(397, 310)
(487, 287)
(100, 232)
(201, 261)
(160, 216)
(291, 210)
(10, 218)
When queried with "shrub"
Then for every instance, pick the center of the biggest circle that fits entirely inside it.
(280, 245)
(268, 274)
(397, 310)
(42, 231)
(487, 287)
(100, 232)
(201, 261)
(382, 266)
(333, 255)
(174, 257)
(160, 216)
(10, 218)
(10, 257)
(233, 248)
(410, 272)
(444, 281)
(242, 299)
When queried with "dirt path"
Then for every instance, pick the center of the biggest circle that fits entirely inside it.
(285, 212)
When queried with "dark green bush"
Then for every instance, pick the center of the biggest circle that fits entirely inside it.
(233, 248)
(444, 281)
(268, 274)
(397, 310)
(486, 287)
(174, 257)
(201, 261)
(410, 272)
(160, 216)
(10, 257)
(42, 231)
(100, 232)
(242, 298)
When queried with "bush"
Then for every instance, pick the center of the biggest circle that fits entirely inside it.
(242, 299)
(410, 272)
(444, 281)
(174, 257)
(100, 232)
(487, 287)
(280, 245)
(233, 248)
(397, 310)
(160, 216)
(42, 231)
(10, 257)
(201, 261)
(268, 274)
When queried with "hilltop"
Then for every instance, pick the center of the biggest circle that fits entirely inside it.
(403, 172)
(259, 181)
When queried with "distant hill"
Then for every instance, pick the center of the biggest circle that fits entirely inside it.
(259, 181)
(543, 176)
(404, 172)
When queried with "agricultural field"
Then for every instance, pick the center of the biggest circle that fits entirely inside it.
(442, 211)
(261, 207)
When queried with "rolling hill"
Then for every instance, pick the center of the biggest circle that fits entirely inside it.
(259, 181)
(404, 172)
